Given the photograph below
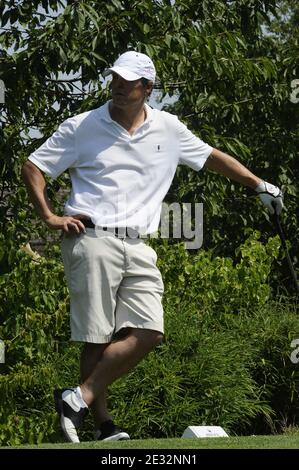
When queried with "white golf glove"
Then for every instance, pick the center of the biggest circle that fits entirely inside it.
(271, 196)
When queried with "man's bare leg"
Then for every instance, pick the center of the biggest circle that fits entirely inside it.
(116, 360)
(90, 356)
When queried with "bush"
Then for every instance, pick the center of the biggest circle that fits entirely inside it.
(236, 374)
(217, 283)
(224, 361)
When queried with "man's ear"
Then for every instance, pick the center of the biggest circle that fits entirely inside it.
(149, 88)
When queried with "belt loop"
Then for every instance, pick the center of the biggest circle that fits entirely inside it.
(121, 232)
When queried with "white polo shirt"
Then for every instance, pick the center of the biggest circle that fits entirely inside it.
(120, 179)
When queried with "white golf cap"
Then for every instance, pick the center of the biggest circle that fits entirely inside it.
(133, 65)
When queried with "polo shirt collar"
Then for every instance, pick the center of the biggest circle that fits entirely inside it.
(105, 114)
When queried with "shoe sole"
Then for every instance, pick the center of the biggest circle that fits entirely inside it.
(122, 436)
(59, 409)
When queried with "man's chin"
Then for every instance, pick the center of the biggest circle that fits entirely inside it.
(119, 101)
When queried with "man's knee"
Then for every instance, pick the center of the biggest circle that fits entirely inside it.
(149, 338)
(159, 338)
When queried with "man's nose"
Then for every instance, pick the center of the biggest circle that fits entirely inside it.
(119, 81)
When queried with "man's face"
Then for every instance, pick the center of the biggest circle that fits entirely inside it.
(126, 93)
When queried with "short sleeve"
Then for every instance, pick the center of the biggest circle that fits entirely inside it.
(193, 151)
(58, 153)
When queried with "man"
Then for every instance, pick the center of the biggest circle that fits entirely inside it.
(122, 158)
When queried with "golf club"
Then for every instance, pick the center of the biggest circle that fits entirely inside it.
(284, 245)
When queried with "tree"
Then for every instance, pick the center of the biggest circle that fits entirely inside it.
(234, 90)
(233, 77)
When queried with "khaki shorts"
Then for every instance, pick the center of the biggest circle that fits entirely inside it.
(113, 284)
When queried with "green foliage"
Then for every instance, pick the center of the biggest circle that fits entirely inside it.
(233, 80)
(225, 358)
(270, 331)
(196, 378)
(215, 281)
(34, 328)
(224, 361)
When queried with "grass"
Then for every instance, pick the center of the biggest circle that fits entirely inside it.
(244, 442)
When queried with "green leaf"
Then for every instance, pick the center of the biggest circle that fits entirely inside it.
(93, 15)
(100, 58)
(168, 39)
(117, 4)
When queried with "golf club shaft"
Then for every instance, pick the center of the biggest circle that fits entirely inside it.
(284, 244)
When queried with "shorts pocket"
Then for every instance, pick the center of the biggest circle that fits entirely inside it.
(69, 245)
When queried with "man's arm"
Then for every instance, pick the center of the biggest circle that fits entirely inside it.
(226, 165)
(36, 187)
